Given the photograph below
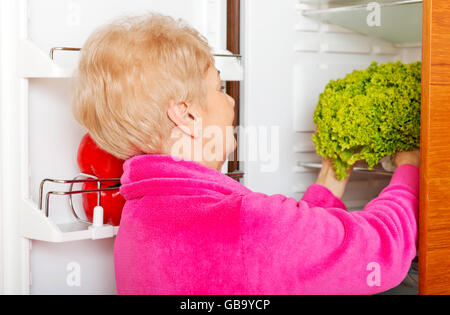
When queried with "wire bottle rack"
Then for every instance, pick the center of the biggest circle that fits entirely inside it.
(79, 179)
(45, 201)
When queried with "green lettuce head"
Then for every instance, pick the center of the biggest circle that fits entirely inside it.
(369, 115)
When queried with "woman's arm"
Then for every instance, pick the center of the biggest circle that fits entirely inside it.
(328, 191)
(292, 249)
(327, 178)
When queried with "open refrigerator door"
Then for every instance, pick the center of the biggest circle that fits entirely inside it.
(52, 249)
(290, 51)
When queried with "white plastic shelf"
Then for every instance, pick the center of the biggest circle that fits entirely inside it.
(34, 63)
(37, 226)
(400, 24)
(36, 223)
(377, 170)
(37, 64)
(229, 65)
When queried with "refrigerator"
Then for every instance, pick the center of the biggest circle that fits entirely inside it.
(290, 50)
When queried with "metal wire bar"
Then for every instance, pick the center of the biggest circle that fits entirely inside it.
(52, 52)
(356, 169)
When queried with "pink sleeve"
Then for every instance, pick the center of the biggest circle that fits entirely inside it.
(290, 248)
(320, 196)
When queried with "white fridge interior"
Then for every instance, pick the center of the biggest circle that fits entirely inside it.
(291, 50)
(289, 58)
(289, 53)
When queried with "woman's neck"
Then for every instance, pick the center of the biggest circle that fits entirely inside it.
(186, 149)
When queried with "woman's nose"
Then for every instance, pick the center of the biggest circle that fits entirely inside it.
(231, 100)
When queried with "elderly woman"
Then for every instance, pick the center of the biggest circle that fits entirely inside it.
(147, 91)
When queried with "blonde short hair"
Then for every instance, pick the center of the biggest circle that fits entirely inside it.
(129, 72)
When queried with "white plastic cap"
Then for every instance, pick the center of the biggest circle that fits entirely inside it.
(98, 216)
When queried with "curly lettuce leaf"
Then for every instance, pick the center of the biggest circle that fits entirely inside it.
(368, 115)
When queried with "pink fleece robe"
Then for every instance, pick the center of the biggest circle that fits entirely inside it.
(190, 230)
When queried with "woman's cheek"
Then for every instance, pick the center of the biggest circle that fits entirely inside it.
(231, 140)
(230, 113)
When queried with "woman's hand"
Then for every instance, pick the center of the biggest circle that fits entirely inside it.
(411, 157)
(327, 178)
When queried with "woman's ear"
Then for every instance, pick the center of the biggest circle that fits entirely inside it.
(183, 117)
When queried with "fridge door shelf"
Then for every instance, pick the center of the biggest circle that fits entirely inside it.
(377, 19)
(38, 225)
(236, 175)
(229, 65)
(36, 64)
